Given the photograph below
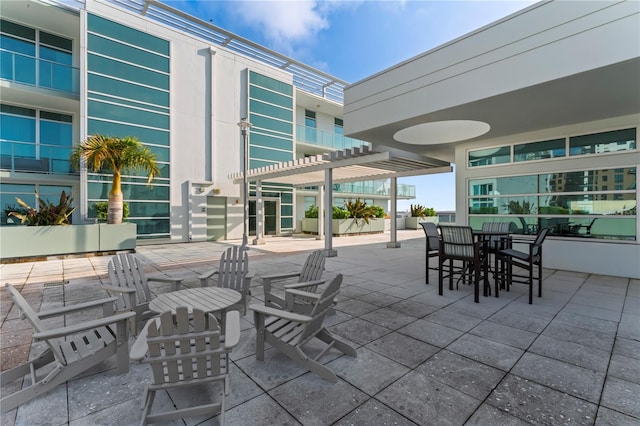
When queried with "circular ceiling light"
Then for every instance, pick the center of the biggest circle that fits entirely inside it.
(438, 132)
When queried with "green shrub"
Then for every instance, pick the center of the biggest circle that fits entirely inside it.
(312, 212)
(338, 213)
(48, 214)
(377, 211)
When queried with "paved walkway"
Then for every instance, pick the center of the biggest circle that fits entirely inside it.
(573, 357)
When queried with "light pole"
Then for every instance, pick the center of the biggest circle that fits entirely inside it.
(244, 131)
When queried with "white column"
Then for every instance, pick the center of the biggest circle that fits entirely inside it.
(321, 205)
(259, 240)
(328, 214)
(393, 243)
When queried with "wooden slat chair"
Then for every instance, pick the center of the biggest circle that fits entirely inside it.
(232, 272)
(526, 260)
(457, 244)
(70, 350)
(308, 280)
(130, 285)
(186, 350)
(432, 246)
(289, 331)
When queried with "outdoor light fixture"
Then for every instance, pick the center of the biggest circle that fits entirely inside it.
(244, 131)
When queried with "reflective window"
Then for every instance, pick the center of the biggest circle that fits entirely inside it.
(617, 140)
(539, 150)
(490, 156)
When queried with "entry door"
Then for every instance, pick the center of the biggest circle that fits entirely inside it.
(270, 217)
(216, 218)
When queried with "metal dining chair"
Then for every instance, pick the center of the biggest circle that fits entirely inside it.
(432, 237)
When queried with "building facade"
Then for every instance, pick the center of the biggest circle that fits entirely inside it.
(540, 112)
(132, 69)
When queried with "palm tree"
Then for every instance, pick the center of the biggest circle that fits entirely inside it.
(115, 155)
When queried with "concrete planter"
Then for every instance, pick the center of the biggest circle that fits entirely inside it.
(36, 241)
(411, 222)
(346, 226)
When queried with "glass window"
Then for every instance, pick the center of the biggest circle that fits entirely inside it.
(588, 180)
(615, 141)
(539, 150)
(490, 156)
(309, 118)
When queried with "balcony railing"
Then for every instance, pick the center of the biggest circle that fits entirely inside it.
(29, 70)
(35, 158)
(371, 187)
(330, 140)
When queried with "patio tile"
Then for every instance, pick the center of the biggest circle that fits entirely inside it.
(486, 351)
(125, 413)
(582, 336)
(403, 349)
(621, 395)
(358, 370)
(353, 292)
(571, 379)
(476, 310)
(49, 409)
(632, 305)
(628, 327)
(522, 322)
(359, 331)
(423, 400)
(374, 413)
(453, 319)
(627, 347)
(314, 401)
(413, 308)
(430, 332)
(531, 402)
(501, 333)
(625, 368)
(432, 298)
(607, 417)
(379, 299)
(591, 311)
(588, 322)
(572, 353)
(467, 376)
(355, 307)
(488, 415)
(276, 369)
(388, 318)
(256, 411)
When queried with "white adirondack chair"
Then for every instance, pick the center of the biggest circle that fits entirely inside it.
(232, 272)
(69, 350)
(130, 285)
(289, 331)
(186, 350)
(308, 279)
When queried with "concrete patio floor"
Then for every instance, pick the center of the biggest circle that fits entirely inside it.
(573, 357)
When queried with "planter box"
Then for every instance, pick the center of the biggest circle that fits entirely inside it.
(39, 241)
(346, 226)
(414, 222)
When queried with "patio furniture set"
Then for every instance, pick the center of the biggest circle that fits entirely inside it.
(465, 254)
(188, 334)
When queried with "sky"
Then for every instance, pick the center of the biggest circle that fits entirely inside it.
(355, 39)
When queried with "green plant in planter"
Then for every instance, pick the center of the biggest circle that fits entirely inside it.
(48, 214)
(429, 212)
(378, 211)
(359, 209)
(417, 210)
(312, 212)
(101, 209)
(338, 213)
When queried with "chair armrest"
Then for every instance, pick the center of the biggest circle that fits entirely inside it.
(292, 295)
(75, 308)
(292, 316)
(177, 282)
(303, 285)
(126, 290)
(250, 275)
(286, 275)
(231, 329)
(139, 347)
(208, 274)
(87, 325)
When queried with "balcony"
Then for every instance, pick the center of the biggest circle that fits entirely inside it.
(41, 73)
(35, 158)
(332, 141)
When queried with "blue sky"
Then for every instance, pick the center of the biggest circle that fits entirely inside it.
(355, 39)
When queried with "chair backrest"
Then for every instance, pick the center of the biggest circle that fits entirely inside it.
(537, 243)
(321, 307)
(188, 349)
(38, 327)
(126, 271)
(457, 241)
(496, 227)
(431, 232)
(233, 268)
(313, 267)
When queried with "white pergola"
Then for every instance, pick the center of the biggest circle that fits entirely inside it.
(336, 167)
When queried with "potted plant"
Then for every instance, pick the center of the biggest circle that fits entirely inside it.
(419, 213)
(114, 155)
(355, 218)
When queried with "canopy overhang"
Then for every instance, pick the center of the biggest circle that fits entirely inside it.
(347, 166)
